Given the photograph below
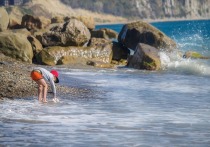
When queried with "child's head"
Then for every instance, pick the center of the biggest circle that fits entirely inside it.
(55, 74)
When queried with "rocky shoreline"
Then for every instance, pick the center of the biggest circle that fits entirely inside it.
(15, 78)
(64, 41)
(17, 83)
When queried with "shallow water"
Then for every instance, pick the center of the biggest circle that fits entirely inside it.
(128, 108)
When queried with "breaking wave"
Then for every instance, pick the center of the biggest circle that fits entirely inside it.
(175, 63)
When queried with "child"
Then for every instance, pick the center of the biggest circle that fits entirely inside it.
(41, 76)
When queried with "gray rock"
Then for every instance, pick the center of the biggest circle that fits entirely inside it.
(141, 32)
(71, 33)
(145, 57)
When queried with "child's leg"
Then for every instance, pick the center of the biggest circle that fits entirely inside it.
(45, 93)
(42, 90)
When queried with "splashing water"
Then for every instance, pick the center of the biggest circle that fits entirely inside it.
(190, 36)
(186, 66)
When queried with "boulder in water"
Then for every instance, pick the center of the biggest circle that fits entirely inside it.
(141, 32)
(145, 57)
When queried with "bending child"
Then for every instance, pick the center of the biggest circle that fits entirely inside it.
(41, 76)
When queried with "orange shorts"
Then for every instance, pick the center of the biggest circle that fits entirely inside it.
(36, 75)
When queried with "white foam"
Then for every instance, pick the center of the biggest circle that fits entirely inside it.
(174, 62)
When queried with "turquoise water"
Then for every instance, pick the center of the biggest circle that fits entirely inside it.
(123, 107)
(190, 35)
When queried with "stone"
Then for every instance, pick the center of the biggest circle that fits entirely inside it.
(67, 55)
(145, 57)
(32, 23)
(16, 45)
(194, 55)
(141, 32)
(104, 33)
(71, 33)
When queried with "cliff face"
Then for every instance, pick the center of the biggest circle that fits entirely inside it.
(110, 11)
(173, 8)
(146, 9)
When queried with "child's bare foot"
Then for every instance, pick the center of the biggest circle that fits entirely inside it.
(44, 101)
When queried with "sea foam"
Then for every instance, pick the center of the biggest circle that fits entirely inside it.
(174, 62)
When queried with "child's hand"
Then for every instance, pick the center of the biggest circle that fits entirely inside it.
(55, 100)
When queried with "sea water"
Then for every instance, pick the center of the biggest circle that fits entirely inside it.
(123, 107)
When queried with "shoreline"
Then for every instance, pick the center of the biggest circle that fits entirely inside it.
(17, 81)
(153, 21)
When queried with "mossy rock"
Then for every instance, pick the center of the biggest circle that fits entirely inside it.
(194, 55)
(145, 57)
(45, 58)
(16, 45)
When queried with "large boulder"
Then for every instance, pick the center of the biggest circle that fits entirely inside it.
(16, 46)
(4, 19)
(141, 32)
(32, 23)
(66, 55)
(71, 33)
(145, 57)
